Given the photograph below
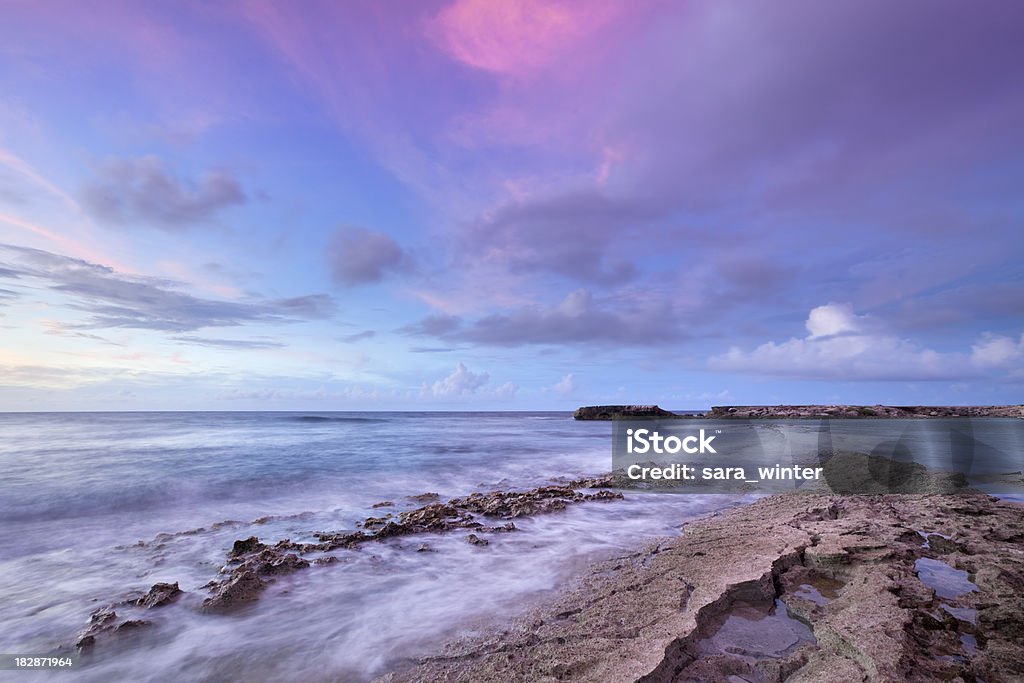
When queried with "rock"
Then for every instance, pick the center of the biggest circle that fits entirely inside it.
(383, 504)
(425, 497)
(159, 595)
(425, 548)
(371, 522)
(845, 411)
(248, 545)
(273, 562)
(253, 562)
(132, 624)
(242, 587)
(613, 412)
(102, 620)
(655, 615)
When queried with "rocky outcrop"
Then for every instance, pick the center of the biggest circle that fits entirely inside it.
(105, 621)
(159, 595)
(847, 411)
(801, 411)
(252, 564)
(800, 587)
(613, 412)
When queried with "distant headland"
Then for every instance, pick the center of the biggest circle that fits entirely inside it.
(611, 412)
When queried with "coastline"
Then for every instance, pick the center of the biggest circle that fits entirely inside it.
(854, 569)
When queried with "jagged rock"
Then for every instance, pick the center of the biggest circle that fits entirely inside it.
(100, 621)
(253, 561)
(159, 595)
(476, 540)
(425, 497)
(132, 624)
(613, 412)
(245, 546)
(847, 411)
(273, 562)
(242, 587)
(844, 565)
(383, 504)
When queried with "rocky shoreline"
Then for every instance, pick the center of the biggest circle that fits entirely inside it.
(611, 412)
(795, 587)
(252, 565)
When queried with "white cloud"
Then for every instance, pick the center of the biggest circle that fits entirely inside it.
(506, 390)
(566, 385)
(460, 382)
(832, 319)
(993, 351)
(839, 348)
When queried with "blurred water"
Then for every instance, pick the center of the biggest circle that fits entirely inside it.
(80, 490)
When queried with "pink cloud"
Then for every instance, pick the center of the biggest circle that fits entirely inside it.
(519, 37)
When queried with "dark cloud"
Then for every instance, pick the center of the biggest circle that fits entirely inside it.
(804, 105)
(579, 235)
(8, 294)
(128, 191)
(579, 319)
(358, 336)
(240, 344)
(433, 325)
(117, 301)
(358, 256)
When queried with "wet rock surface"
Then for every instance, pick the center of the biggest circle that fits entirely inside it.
(833, 580)
(252, 565)
(848, 411)
(159, 595)
(106, 622)
(617, 411)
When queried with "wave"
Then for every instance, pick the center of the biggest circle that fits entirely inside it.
(322, 418)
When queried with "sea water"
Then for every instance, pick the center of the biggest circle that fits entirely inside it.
(80, 491)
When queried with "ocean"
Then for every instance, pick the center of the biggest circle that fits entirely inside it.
(81, 490)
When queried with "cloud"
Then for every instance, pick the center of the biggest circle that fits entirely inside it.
(433, 349)
(459, 383)
(566, 385)
(129, 191)
(580, 235)
(832, 319)
(115, 300)
(234, 344)
(506, 390)
(516, 37)
(579, 319)
(358, 256)
(359, 336)
(999, 352)
(837, 348)
(435, 325)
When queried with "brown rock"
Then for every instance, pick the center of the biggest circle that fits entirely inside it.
(159, 595)
(655, 615)
(242, 587)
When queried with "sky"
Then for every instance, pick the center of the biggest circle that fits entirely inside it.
(510, 204)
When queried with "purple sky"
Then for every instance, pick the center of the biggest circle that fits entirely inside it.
(510, 205)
